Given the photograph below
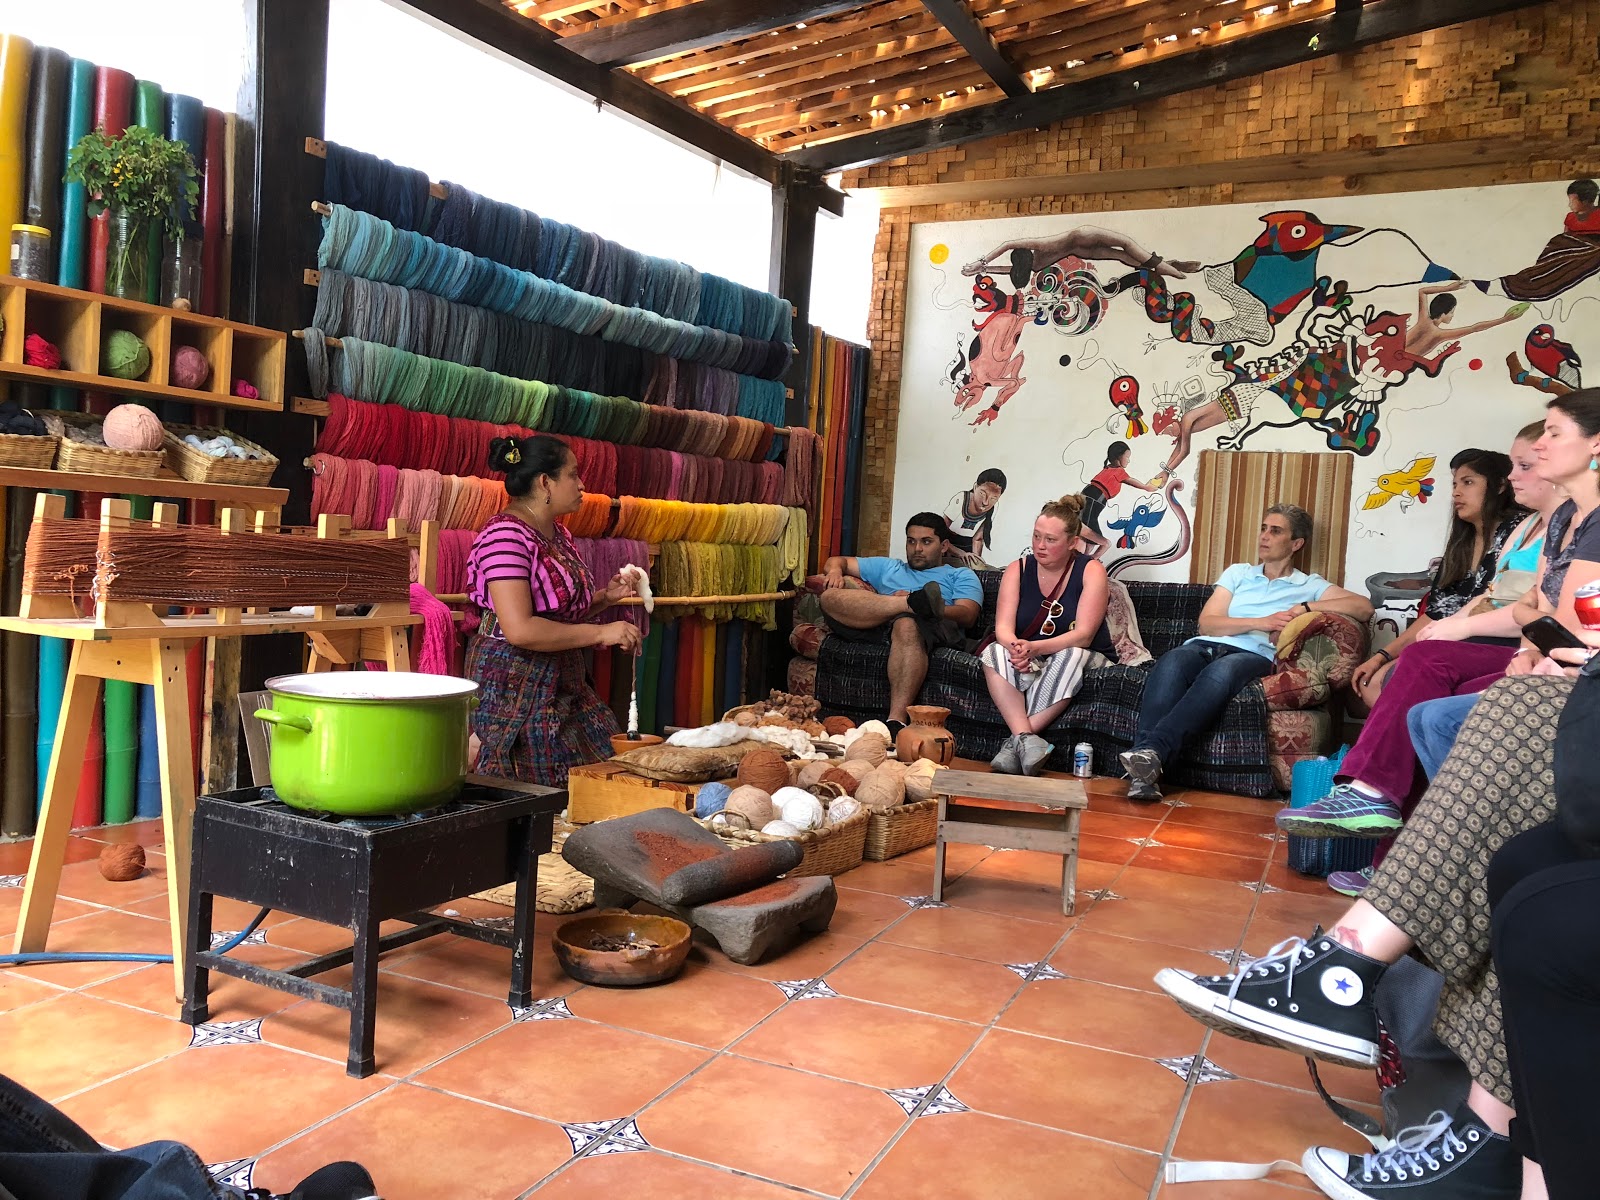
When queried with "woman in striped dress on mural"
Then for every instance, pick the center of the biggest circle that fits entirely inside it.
(538, 714)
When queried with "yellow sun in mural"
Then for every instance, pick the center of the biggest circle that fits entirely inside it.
(938, 253)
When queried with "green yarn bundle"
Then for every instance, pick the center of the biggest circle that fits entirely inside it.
(124, 355)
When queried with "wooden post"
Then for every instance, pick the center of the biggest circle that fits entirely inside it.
(169, 664)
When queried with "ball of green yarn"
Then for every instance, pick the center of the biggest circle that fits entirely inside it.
(124, 356)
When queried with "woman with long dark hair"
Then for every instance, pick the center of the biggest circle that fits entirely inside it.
(1103, 487)
(538, 715)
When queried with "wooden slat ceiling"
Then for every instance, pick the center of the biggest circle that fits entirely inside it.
(869, 67)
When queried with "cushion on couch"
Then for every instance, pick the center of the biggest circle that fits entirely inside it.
(1317, 652)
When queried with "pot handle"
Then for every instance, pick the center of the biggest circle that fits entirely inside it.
(272, 716)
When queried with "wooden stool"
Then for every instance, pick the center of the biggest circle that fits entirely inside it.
(1054, 832)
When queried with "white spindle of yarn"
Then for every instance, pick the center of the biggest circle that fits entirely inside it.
(641, 583)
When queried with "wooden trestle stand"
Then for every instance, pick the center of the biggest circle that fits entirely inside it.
(129, 641)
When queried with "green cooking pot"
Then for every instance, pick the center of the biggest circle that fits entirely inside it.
(369, 743)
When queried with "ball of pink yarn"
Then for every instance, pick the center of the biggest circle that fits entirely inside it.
(132, 427)
(190, 368)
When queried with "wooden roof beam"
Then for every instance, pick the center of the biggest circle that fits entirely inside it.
(894, 67)
(1375, 21)
(622, 41)
(955, 16)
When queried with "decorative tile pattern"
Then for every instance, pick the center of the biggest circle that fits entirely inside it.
(258, 937)
(226, 1033)
(12, 881)
(544, 1010)
(236, 1172)
(806, 989)
(502, 924)
(1034, 970)
(1209, 1071)
(931, 1101)
(1231, 957)
(922, 902)
(1103, 894)
(618, 1136)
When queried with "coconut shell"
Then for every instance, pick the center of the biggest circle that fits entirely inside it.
(764, 769)
(881, 789)
(844, 780)
(751, 803)
(919, 779)
(812, 772)
(870, 748)
(838, 725)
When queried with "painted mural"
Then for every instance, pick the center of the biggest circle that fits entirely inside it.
(1098, 353)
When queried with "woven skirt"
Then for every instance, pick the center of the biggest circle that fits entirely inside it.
(537, 715)
(1059, 677)
(1496, 783)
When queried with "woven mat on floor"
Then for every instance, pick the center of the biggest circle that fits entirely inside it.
(562, 888)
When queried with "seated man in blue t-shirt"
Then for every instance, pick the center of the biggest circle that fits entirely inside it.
(1190, 686)
(915, 606)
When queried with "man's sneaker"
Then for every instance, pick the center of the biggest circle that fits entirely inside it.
(336, 1181)
(1344, 812)
(1035, 753)
(894, 727)
(1312, 997)
(1457, 1158)
(1350, 883)
(1142, 766)
(1143, 793)
(927, 602)
(1009, 760)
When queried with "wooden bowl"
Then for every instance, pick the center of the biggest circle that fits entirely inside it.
(621, 743)
(629, 966)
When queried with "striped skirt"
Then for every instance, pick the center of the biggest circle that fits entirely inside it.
(1058, 678)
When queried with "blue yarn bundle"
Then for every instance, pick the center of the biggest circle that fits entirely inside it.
(711, 799)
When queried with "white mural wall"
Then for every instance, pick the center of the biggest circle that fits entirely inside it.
(1033, 343)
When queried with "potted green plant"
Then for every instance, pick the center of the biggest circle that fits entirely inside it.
(144, 182)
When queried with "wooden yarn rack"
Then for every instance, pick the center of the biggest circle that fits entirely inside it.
(129, 641)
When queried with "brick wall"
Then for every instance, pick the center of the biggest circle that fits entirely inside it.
(1533, 75)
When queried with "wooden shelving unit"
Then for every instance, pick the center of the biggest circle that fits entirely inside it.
(76, 323)
(166, 484)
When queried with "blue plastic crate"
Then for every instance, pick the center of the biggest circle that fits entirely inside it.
(1311, 781)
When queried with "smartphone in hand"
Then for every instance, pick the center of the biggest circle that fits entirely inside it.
(1549, 634)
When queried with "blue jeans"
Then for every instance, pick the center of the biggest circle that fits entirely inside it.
(1434, 725)
(1187, 690)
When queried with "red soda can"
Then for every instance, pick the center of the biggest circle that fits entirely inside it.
(1586, 604)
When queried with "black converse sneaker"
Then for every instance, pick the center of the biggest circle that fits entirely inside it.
(1457, 1158)
(1312, 997)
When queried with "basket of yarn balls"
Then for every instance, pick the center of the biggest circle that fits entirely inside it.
(218, 456)
(902, 814)
(126, 441)
(25, 440)
(832, 832)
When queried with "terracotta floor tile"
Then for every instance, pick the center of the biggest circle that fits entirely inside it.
(226, 914)
(479, 967)
(1263, 933)
(959, 858)
(648, 1176)
(69, 1042)
(1025, 866)
(1249, 845)
(1295, 908)
(18, 991)
(15, 856)
(229, 999)
(941, 984)
(11, 910)
(1011, 897)
(225, 1101)
(973, 1156)
(1172, 887)
(1120, 825)
(102, 930)
(1126, 962)
(417, 1024)
(806, 960)
(1280, 876)
(1098, 848)
(1244, 1121)
(145, 833)
(1115, 803)
(865, 914)
(1157, 921)
(972, 934)
(1201, 863)
(567, 1070)
(753, 1117)
(1227, 801)
(468, 1148)
(1115, 1097)
(314, 937)
(1237, 1189)
(1112, 1018)
(873, 1044)
(703, 1006)
(83, 881)
(1268, 1064)
(1222, 819)
(891, 878)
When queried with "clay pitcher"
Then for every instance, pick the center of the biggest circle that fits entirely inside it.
(926, 736)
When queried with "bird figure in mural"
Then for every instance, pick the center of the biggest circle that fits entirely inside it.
(1280, 267)
(1552, 357)
(1144, 516)
(1412, 483)
(1125, 399)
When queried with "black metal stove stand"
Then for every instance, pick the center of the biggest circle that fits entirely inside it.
(250, 846)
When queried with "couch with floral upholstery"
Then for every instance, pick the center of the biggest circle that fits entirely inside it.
(1264, 731)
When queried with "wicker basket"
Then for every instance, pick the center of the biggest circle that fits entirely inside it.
(33, 451)
(901, 829)
(102, 460)
(831, 850)
(199, 467)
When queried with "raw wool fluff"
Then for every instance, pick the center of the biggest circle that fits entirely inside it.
(846, 780)
(764, 769)
(751, 803)
(872, 748)
(881, 790)
(132, 427)
(919, 779)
